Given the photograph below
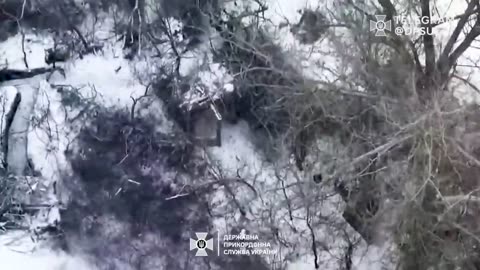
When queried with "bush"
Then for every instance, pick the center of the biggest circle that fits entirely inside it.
(124, 169)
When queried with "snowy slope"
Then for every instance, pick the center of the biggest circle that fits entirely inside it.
(108, 79)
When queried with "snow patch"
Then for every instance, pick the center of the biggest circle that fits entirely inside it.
(109, 75)
(18, 252)
(11, 51)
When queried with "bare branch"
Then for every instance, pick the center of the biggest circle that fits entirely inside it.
(445, 60)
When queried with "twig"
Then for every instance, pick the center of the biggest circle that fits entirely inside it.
(177, 196)
(314, 243)
(474, 87)
(285, 195)
(23, 49)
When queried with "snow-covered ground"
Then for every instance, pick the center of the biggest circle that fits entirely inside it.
(18, 252)
(111, 80)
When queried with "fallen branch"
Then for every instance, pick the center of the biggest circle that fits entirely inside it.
(377, 151)
(9, 119)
